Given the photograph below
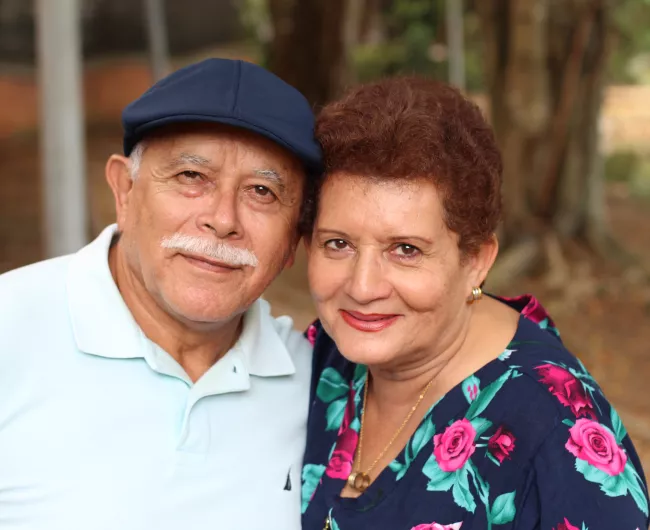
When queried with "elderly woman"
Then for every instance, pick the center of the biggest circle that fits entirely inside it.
(433, 406)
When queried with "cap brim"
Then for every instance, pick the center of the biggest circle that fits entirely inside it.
(311, 161)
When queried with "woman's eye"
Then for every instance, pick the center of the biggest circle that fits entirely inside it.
(404, 250)
(336, 244)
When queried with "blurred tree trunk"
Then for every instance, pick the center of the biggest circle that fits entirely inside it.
(545, 66)
(310, 46)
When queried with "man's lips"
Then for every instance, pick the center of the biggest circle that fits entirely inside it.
(208, 263)
(368, 322)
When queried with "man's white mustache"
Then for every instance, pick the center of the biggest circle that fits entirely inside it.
(210, 249)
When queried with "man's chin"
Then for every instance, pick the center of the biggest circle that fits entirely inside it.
(200, 319)
(201, 307)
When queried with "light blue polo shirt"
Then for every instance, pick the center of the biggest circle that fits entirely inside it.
(100, 429)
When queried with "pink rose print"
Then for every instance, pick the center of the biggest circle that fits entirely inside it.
(501, 444)
(595, 443)
(530, 308)
(566, 525)
(535, 312)
(311, 334)
(437, 526)
(340, 465)
(455, 446)
(567, 389)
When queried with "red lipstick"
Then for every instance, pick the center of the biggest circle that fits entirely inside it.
(368, 322)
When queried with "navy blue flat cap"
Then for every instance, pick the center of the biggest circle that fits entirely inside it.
(230, 92)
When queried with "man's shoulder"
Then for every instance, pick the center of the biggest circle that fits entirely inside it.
(32, 286)
(38, 271)
(297, 345)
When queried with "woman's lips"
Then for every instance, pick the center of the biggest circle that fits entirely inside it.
(368, 322)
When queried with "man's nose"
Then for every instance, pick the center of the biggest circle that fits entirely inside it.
(221, 215)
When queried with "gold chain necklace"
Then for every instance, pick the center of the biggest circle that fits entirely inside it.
(359, 480)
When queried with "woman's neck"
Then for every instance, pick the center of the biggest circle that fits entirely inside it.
(399, 385)
(467, 346)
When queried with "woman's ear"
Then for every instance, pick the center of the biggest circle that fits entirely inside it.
(483, 260)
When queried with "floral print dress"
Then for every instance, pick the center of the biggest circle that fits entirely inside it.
(527, 442)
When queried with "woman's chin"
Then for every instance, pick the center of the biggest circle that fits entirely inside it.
(371, 353)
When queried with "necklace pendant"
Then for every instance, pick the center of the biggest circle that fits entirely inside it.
(359, 481)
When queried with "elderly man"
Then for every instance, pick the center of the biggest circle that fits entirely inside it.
(143, 383)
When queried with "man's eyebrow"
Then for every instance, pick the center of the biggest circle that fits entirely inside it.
(271, 175)
(188, 158)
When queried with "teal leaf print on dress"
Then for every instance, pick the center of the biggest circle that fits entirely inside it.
(635, 488)
(480, 425)
(333, 389)
(462, 495)
(486, 395)
(439, 480)
(617, 424)
(422, 436)
(503, 509)
(331, 386)
(311, 475)
(335, 413)
(419, 441)
(505, 355)
(591, 473)
(397, 467)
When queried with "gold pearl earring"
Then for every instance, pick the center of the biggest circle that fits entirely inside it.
(477, 294)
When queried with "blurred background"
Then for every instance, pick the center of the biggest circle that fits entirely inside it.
(565, 83)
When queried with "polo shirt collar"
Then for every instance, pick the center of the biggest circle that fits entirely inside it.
(103, 325)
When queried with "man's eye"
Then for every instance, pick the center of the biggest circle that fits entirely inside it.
(190, 176)
(404, 250)
(262, 194)
(336, 244)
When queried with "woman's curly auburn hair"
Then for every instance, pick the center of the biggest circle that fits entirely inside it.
(409, 128)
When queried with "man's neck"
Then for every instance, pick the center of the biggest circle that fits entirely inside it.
(195, 348)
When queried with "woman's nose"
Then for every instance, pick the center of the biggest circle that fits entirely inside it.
(368, 282)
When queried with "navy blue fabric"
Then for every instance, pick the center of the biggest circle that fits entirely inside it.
(538, 485)
(230, 92)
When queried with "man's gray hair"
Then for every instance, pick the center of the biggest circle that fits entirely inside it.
(135, 159)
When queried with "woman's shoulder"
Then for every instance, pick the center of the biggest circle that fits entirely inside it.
(538, 352)
(585, 466)
(541, 384)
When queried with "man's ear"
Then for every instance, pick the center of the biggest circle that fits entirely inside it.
(118, 176)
